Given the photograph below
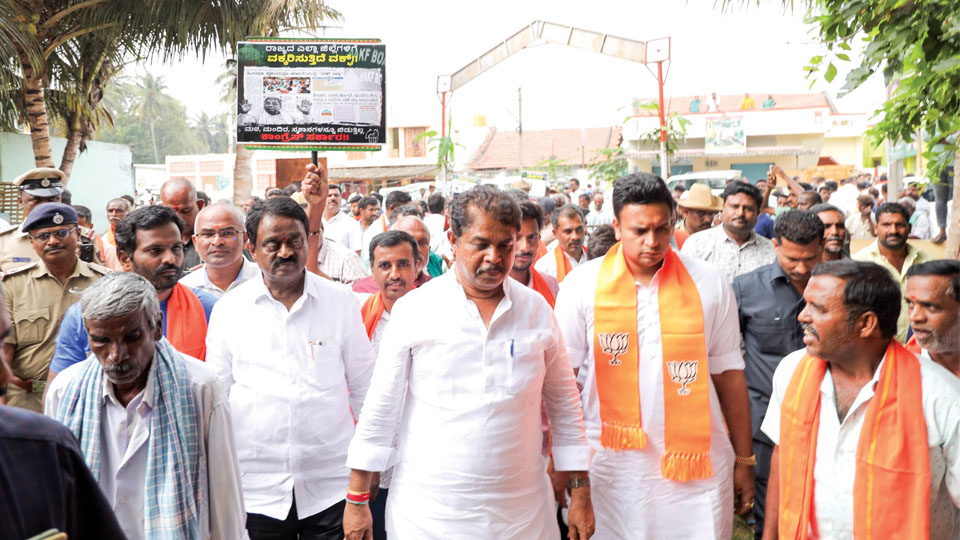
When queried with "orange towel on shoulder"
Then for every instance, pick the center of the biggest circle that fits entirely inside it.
(540, 285)
(891, 490)
(616, 354)
(372, 310)
(186, 323)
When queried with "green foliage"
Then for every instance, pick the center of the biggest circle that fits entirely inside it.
(914, 42)
(676, 130)
(174, 134)
(444, 146)
(554, 167)
(608, 165)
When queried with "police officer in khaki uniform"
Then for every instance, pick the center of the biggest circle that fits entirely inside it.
(37, 186)
(38, 294)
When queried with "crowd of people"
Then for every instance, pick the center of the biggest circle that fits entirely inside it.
(480, 365)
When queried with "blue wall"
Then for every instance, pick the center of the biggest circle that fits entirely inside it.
(103, 172)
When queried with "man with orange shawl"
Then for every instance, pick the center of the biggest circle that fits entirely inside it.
(151, 244)
(394, 260)
(570, 230)
(655, 336)
(867, 434)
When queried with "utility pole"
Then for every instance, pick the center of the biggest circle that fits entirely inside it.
(664, 164)
(520, 126)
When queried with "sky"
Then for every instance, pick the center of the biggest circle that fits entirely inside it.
(751, 48)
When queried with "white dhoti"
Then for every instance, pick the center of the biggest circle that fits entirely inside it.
(471, 512)
(632, 500)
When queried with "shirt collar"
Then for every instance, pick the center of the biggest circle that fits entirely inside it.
(81, 269)
(311, 287)
(826, 386)
(727, 238)
(505, 303)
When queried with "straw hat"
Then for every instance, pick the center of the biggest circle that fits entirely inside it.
(699, 197)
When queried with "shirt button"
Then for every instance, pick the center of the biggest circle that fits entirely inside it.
(123, 500)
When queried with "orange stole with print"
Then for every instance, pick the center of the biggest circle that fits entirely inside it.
(372, 310)
(186, 323)
(891, 490)
(616, 354)
(540, 285)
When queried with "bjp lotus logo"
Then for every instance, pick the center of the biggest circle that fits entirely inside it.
(683, 373)
(614, 345)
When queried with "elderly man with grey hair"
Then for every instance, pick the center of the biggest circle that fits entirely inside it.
(153, 424)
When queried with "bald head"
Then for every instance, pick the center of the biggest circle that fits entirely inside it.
(219, 236)
(418, 230)
(180, 195)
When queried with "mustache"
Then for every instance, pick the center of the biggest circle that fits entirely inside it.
(291, 259)
(167, 266)
(490, 268)
(808, 328)
(116, 368)
(835, 237)
(400, 282)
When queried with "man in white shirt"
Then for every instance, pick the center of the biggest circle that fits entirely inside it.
(291, 352)
(870, 434)
(340, 226)
(569, 230)
(598, 216)
(369, 212)
(933, 302)
(462, 369)
(573, 190)
(394, 267)
(219, 237)
(436, 222)
(733, 247)
(664, 459)
(153, 424)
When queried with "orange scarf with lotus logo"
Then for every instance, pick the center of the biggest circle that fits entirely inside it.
(891, 489)
(616, 356)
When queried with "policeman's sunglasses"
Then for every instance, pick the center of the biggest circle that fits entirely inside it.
(44, 236)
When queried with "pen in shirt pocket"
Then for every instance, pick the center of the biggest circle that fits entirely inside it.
(511, 348)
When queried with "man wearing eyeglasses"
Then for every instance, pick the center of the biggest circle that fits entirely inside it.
(38, 294)
(219, 237)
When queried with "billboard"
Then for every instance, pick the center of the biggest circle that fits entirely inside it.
(724, 134)
(305, 93)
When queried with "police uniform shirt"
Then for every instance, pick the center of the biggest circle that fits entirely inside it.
(36, 302)
(16, 250)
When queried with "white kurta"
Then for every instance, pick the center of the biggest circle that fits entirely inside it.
(468, 463)
(836, 467)
(631, 499)
(125, 443)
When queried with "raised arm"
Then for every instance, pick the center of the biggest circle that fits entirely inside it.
(314, 189)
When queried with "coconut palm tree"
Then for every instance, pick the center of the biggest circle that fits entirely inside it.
(33, 33)
(150, 93)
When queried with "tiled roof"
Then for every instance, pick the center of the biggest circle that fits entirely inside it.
(756, 151)
(731, 103)
(500, 149)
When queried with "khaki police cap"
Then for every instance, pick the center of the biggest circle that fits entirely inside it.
(41, 182)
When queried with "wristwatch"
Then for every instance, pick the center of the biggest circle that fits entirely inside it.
(582, 481)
